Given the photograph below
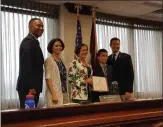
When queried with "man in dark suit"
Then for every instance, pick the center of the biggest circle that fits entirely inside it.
(123, 71)
(102, 70)
(31, 62)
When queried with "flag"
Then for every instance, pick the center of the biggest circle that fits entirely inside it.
(79, 33)
(93, 46)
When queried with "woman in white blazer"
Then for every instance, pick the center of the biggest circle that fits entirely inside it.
(56, 75)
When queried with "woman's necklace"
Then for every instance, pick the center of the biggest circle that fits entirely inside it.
(84, 63)
(56, 58)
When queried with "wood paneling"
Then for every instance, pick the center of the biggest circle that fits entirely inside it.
(126, 114)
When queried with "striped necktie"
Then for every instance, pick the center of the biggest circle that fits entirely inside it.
(105, 70)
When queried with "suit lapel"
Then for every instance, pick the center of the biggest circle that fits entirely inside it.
(118, 58)
(119, 55)
(38, 48)
(100, 70)
(33, 38)
(109, 71)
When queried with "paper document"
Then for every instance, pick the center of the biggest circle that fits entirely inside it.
(100, 84)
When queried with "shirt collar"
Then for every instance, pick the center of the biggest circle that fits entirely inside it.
(34, 36)
(117, 53)
(102, 65)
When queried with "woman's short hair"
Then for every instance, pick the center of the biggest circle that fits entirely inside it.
(78, 48)
(52, 42)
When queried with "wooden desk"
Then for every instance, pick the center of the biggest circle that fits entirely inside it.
(145, 113)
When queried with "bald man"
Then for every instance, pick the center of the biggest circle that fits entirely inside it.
(31, 62)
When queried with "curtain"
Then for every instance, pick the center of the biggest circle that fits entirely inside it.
(145, 48)
(148, 60)
(106, 32)
(14, 29)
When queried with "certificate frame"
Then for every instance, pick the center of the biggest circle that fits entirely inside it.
(102, 81)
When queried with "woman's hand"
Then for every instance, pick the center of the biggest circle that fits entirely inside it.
(89, 81)
(54, 99)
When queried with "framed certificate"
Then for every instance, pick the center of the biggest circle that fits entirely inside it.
(100, 84)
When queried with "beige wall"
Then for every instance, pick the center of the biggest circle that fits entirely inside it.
(67, 24)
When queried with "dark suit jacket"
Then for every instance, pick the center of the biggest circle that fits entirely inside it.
(30, 65)
(98, 71)
(123, 72)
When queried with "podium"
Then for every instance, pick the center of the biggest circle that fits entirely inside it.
(140, 113)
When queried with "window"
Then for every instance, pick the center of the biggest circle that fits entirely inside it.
(105, 33)
(148, 60)
(14, 29)
(145, 48)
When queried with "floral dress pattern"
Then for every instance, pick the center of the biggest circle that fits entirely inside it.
(77, 74)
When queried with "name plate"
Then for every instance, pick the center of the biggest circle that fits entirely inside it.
(110, 98)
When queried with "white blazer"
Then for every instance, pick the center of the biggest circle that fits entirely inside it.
(52, 72)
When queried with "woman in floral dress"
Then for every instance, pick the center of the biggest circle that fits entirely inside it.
(79, 76)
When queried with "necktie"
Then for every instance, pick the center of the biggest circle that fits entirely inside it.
(114, 57)
(105, 70)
